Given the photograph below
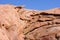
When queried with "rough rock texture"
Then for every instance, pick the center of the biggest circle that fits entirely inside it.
(41, 25)
(11, 26)
(18, 23)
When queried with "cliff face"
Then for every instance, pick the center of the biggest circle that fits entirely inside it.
(18, 23)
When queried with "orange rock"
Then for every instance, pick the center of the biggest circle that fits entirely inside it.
(19, 23)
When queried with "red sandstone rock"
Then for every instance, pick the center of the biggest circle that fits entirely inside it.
(10, 21)
(41, 24)
(18, 23)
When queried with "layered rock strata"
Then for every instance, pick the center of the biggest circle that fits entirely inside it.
(19, 23)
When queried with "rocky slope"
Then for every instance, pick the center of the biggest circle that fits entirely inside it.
(19, 23)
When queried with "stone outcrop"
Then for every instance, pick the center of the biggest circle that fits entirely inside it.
(11, 26)
(19, 23)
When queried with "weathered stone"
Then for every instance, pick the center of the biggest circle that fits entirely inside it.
(19, 23)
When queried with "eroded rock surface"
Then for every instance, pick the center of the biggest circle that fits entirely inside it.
(11, 26)
(19, 23)
(41, 25)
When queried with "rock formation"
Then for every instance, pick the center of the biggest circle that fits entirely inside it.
(19, 23)
(11, 26)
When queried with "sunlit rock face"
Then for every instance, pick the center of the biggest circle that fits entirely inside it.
(11, 26)
(19, 23)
